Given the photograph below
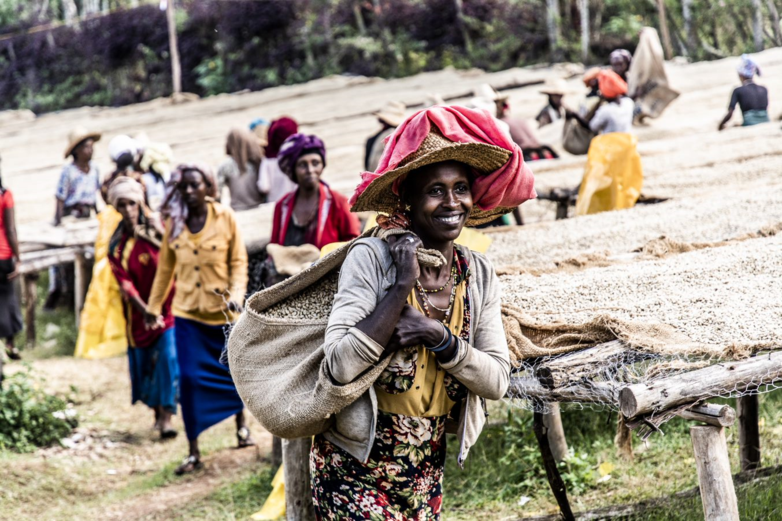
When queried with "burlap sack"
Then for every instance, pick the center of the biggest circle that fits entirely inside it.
(576, 138)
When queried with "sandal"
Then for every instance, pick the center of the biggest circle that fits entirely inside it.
(13, 353)
(243, 438)
(189, 464)
(168, 434)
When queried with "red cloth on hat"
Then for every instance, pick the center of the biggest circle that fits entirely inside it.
(280, 130)
(509, 186)
(611, 85)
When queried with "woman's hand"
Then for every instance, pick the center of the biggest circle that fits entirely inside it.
(152, 321)
(414, 329)
(234, 306)
(403, 252)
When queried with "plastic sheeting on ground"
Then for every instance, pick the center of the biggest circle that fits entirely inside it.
(613, 175)
(102, 323)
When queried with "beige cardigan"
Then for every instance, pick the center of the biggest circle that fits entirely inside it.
(482, 364)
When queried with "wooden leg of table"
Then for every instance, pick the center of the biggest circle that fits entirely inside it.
(552, 473)
(79, 284)
(716, 483)
(298, 491)
(562, 209)
(747, 408)
(623, 439)
(552, 420)
(276, 452)
(30, 289)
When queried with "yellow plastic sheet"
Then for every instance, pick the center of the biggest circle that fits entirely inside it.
(274, 507)
(102, 323)
(613, 176)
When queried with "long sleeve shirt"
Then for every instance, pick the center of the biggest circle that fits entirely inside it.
(210, 268)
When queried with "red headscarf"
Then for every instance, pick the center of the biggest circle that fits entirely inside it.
(611, 85)
(509, 186)
(280, 130)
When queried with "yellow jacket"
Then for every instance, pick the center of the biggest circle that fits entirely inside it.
(210, 269)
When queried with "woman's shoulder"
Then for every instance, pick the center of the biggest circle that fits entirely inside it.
(480, 266)
(368, 251)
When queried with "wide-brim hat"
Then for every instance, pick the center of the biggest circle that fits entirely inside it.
(556, 86)
(78, 135)
(379, 195)
(393, 113)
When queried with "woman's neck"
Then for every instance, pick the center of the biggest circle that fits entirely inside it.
(198, 211)
(446, 249)
(309, 193)
(83, 165)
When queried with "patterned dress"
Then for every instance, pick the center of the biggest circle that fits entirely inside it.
(402, 478)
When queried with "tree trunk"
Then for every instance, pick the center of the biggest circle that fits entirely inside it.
(689, 27)
(772, 9)
(463, 26)
(360, 25)
(584, 10)
(552, 24)
(757, 24)
(69, 11)
(176, 67)
(664, 30)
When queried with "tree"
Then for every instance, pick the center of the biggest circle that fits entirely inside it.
(664, 30)
(772, 9)
(552, 24)
(689, 27)
(176, 67)
(584, 11)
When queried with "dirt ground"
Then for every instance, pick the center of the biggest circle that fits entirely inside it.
(114, 465)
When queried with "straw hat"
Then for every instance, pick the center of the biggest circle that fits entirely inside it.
(435, 148)
(393, 113)
(78, 135)
(555, 86)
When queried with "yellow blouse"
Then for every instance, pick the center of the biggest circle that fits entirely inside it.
(427, 396)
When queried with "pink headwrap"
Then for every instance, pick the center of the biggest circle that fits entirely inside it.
(509, 186)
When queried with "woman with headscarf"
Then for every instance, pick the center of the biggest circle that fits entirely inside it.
(312, 213)
(444, 168)
(616, 113)
(240, 170)
(750, 97)
(133, 256)
(124, 151)
(10, 314)
(203, 249)
(156, 163)
(620, 60)
(272, 180)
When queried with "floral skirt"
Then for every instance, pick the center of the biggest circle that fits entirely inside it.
(401, 480)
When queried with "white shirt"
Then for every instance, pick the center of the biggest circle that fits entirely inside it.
(156, 190)
(613, 117)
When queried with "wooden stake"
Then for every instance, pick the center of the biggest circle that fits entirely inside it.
(30, 299)
(749, 432)
(623, 440)
(716, 483)
(298, 491)
(79, 284)
(552, 473)
(176, 67)
(552, 420)
(276, 452)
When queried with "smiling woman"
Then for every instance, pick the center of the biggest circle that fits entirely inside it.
(443, 169)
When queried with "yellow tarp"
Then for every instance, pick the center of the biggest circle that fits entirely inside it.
(613, 175)
(274, 507)
(102, 324)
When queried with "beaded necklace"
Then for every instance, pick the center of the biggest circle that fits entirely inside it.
(425, 302)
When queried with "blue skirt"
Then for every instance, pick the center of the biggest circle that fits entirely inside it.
(208, 394)
(154, 373)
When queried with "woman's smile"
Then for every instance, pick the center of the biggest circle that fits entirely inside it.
(451, 219)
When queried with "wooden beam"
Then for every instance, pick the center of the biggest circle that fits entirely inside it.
(749, 431)
(40, 260)
(575, 367)
(583, 393)
(693, 386)
(298, 491)
(716, 415)
(716, 483)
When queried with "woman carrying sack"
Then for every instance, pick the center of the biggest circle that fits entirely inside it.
(444, 168)
(203, 248)
(10, 314)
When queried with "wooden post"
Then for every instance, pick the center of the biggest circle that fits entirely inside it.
(552, 473)
(79, 284)
(176, 67)
(664, 30)
(716, 483)
(552, 421)
(623, 439)
(30, 288)
(276, 451)
(749, 432)
(298, 491)
(584, 11)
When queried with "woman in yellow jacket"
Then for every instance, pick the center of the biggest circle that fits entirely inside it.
(203, 249)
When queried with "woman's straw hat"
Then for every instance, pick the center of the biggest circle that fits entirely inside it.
(379, 195)
(393, 113)
(555, 86)
(78, 135)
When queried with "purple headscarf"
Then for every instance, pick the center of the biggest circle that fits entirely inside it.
(174, 206)
(296, 146)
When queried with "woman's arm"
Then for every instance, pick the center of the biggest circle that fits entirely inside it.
(126, 287)
(10, 230)
(484, 367)
(164, 276)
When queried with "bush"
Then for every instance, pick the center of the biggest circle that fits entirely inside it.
(29, 417)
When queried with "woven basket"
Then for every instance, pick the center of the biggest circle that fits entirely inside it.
(277, 363)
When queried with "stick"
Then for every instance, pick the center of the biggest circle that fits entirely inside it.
(716, 483)
(716, 415)
(298, 491)
(715, 380)
(552, 473)
(749, 432)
